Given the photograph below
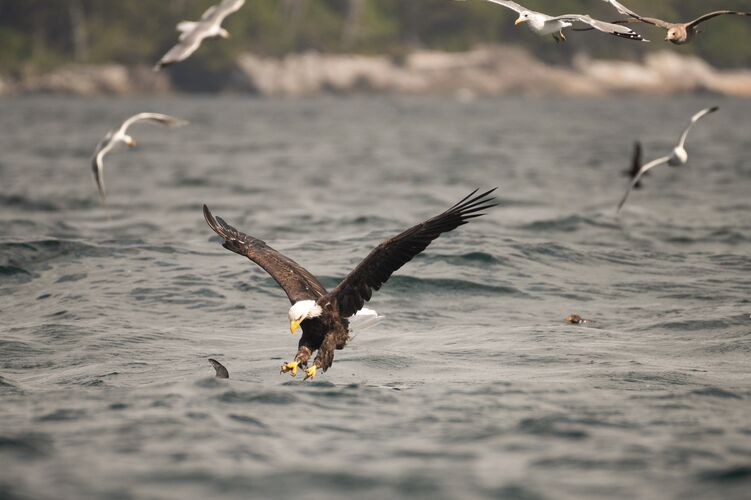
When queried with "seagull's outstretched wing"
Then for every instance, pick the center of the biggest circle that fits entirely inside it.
(642, 171)
(97, 164)
(698, 116)
(611, 28)
(510, 5)
(628, 12)
(188, 43)
(710, 15)
(296, 281)
(170, 121)
(217, 13)
(381, 263)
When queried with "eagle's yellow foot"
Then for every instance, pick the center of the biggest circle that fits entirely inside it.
(310, 372)
(290, 367)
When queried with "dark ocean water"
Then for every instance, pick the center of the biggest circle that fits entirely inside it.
(472, 387)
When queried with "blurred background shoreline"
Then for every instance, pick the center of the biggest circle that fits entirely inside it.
(313, 47)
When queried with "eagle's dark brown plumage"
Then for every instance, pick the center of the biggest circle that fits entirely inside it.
(328, 330)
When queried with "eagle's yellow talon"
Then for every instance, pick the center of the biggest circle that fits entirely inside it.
(290, 367)
(310, 372)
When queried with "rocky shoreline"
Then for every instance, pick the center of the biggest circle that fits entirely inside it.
(485, 71)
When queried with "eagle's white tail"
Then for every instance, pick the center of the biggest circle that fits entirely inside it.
(362, 320)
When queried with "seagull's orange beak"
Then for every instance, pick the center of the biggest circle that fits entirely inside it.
(519, 21)
(293, 325)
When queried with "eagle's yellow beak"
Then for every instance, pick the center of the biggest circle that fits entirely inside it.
(293, 326)
(519, 21)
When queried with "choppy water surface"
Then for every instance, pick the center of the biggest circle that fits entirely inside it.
(473, 386)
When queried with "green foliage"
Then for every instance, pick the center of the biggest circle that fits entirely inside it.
(38, 34)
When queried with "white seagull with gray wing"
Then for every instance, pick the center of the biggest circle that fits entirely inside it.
(193, 33)
(120, 135)
(543, 24)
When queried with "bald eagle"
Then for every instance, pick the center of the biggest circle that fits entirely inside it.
(322, 315)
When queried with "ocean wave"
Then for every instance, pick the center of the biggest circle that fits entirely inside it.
(27, 255)
(413, 285)
(551, 426)
(729, 474)
(30, 446)
(15, 274)
(476, 259)
(28, 204)
(569, 223)
(259, 396)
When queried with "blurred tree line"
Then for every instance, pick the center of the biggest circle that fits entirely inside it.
(36, 35)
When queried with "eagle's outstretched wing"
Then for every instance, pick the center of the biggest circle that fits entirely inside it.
(296, 281)
(381, 263)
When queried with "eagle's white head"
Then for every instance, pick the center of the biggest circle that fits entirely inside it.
(302, 310)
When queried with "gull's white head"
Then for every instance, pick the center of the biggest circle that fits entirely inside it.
(302, 310)
(523, 18)
(223, 33)
(129, 141)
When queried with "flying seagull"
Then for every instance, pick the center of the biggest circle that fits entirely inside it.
(119, 135)
(193, 33)
(677, 33)
(678, 157)
(323, 315)
(543, 24)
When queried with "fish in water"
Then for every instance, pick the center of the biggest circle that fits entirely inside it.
(221, 371)
(575, 319)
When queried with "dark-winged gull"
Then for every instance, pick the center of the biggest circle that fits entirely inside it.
(678, 157)
(677, 33)
(193, 33)
(543, 24)
(119, 135)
